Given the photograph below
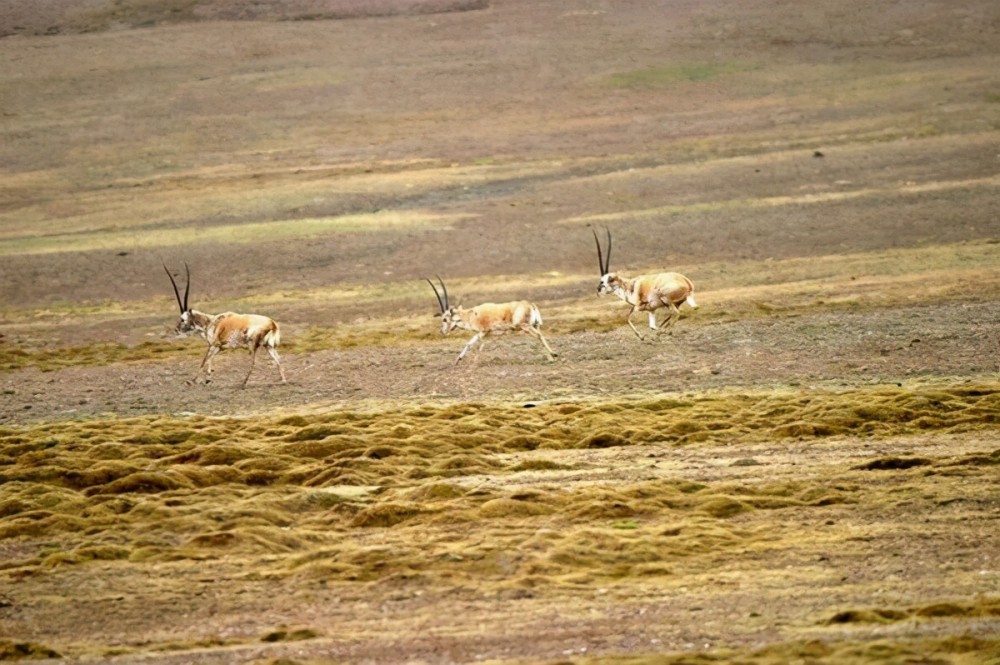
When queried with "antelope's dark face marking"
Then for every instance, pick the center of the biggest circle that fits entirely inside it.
(185, 324)
(450, 319)
(607, 284)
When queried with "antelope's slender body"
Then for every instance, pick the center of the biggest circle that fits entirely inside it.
(646, 293)
(490, 319)
(228, 330)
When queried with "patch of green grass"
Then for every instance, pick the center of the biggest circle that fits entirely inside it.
(823, 198)
(133, 13)
(228, 234)
(655, 77)
(13, 356)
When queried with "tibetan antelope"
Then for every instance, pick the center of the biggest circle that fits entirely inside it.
(647, 293)
(226, 331)
(489, 319)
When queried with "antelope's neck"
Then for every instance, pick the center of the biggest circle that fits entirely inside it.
(464, 319)
(201, 321)
(625, 289)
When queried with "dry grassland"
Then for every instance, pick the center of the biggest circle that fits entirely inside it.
(523, 506)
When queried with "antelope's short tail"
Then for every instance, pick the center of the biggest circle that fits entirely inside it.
(536, 318)
(273, 336)
(690, 300)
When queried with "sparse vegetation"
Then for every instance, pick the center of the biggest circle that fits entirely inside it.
(802, 470)
(358, 499)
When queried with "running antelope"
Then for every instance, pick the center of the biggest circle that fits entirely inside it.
(226, 331)
(647, 293)
(489, 319)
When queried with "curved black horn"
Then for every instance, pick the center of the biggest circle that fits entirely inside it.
(187, 271)
(444, 288)
(601, 261)
(607, 254)
(176, 292)
(441, 303)
(600, 256)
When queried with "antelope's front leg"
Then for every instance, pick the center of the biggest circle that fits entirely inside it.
(631, 325)
(205, 361)
(468, 345)
(253, 357)
(482, 344)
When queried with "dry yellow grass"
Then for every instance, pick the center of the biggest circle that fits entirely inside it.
(505, 500)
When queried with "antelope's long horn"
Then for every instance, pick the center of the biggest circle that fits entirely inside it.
(436, 294)
(176, 292)
(607, 254)
(444, 288)
(187, 289)
(600, 256)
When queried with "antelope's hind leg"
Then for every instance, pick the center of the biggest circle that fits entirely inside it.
(675, 315)
(535, 332)
(273, 352)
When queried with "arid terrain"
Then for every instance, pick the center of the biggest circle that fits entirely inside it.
(802, 470)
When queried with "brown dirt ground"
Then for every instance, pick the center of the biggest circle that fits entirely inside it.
(483, 141)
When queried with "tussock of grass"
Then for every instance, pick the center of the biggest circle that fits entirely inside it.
(165, 489)
(894, 463)
(982, 607)
(290, 635)
(12, 650)
(959, 650)
(14, 356)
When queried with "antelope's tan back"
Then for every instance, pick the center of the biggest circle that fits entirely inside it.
(231, 326)
(671, 286)
(503, 315)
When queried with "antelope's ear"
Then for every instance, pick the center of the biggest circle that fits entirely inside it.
(438, 315)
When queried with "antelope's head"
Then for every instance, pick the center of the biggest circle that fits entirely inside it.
(609, 280)
(450, 315)
(185, 324)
